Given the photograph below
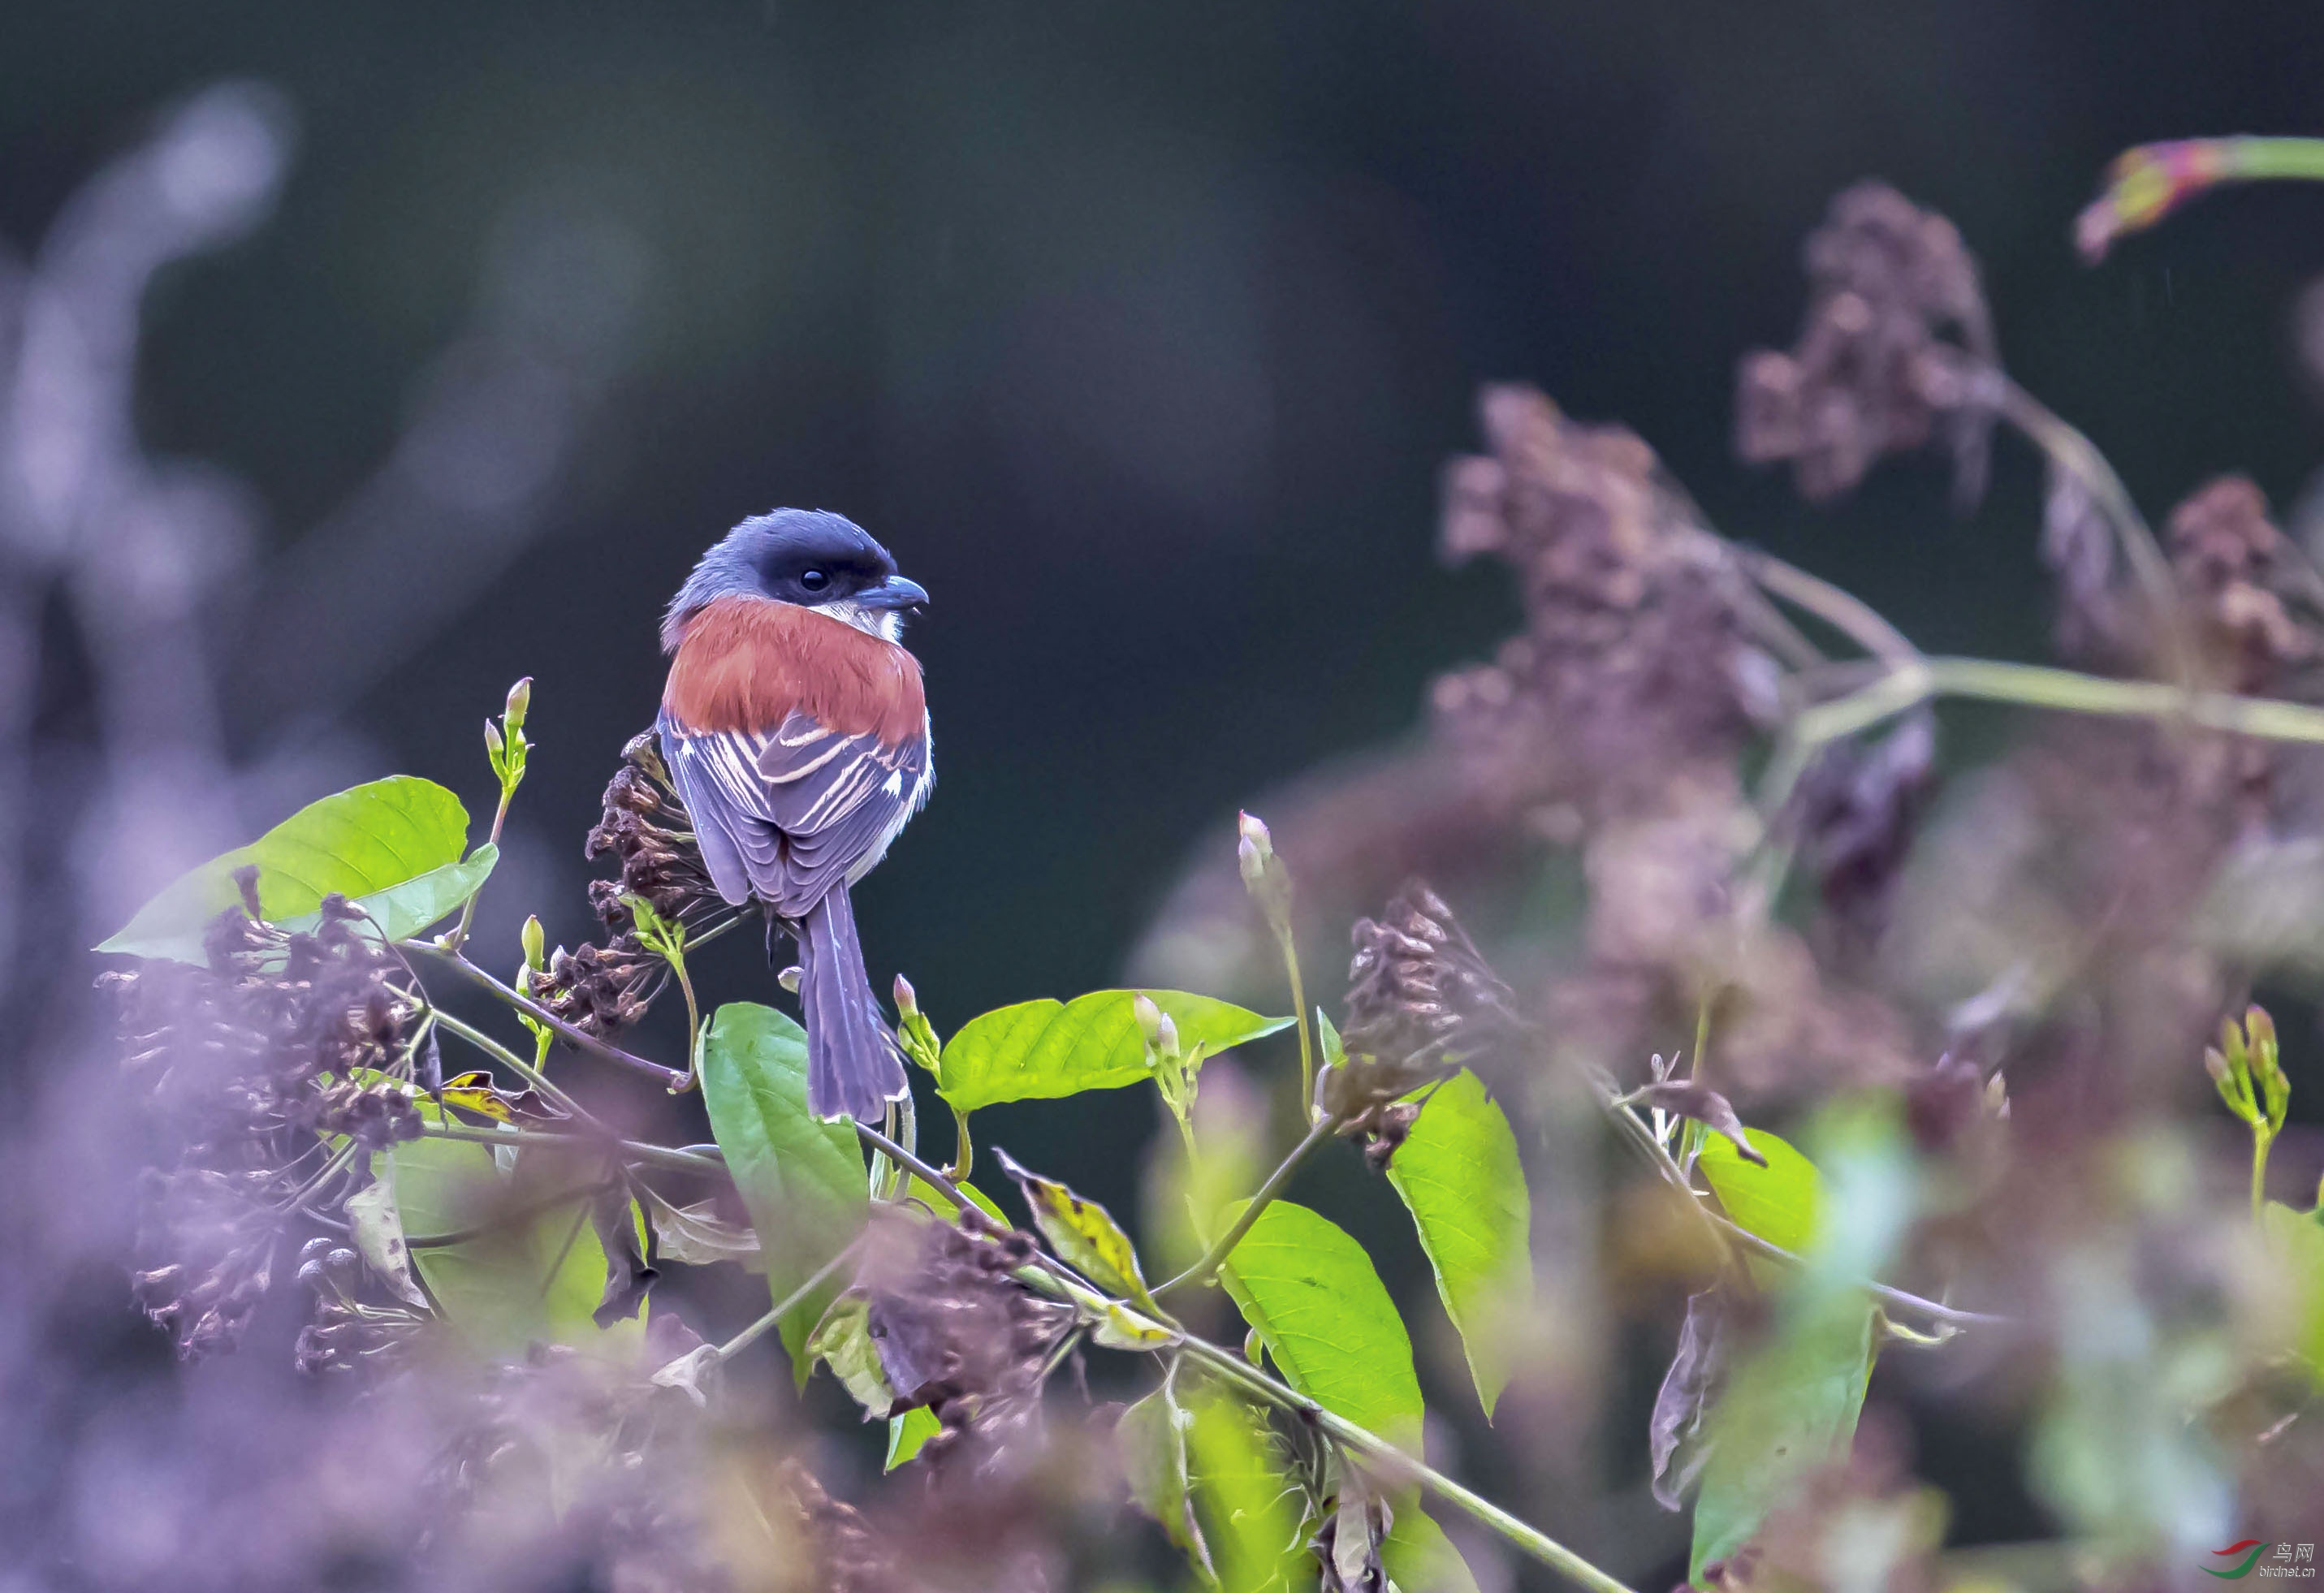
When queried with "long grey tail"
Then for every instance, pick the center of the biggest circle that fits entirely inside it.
(851, 1064)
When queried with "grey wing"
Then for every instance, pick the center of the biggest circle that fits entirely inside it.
(783, 815)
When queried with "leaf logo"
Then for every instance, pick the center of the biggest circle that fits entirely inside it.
(2250, 1548)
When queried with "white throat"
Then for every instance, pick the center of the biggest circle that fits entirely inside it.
(886, 624)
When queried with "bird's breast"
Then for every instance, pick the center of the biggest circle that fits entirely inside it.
(748, 664)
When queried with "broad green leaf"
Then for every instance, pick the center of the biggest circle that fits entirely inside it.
(935, 1199)
(1417, 1555)
(1243, 1500)
(405, 909)
(1781, 1203)
(843, 1341)
(2296, 1246)
(1790, 1410)
(537, 1279)
(908, 1433)
(1151, 1441)
(1459, 1174)
(1081, 1233)
(1310, 1292)
(1039, 1050)
(802, 1180)
(359, 843)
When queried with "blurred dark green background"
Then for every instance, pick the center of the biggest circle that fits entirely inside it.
(1140, 335)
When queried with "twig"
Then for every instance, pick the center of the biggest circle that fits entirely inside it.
(635, 1150)
(790, 1303)
(1843, 611)
(1322, 1128)
(2079, 458)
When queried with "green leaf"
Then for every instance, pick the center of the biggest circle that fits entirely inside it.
(359, 843)
(802, 1180)
(1082, 1234)
(2296, 1243)
(937, 1201)
(1459, 1174)
(1790, 1410)
(1417, 1555)
(404, 910)
(537, 1279)
(1039, 1050)
(1310, 1292)
(908, 1432)
(1243, 1500)
(843, 1341)
(1782, 1203)
(1151, 1440)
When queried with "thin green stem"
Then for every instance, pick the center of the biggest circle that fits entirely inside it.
(790, 1303)
(1843, 610)
(2262, 1140)
(459, 935)
(1306, 1041)
(516, 1065)
(1322, 1130)
(964, 1149)
(635, 1150)
(2070, 452)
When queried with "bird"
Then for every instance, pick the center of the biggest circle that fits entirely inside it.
(794, 727)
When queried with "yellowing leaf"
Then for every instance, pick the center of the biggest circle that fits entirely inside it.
(1084, 1234)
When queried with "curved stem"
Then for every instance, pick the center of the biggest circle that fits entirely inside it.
(1322, 1128)
(790, 1303)
(1843, 610)
(2079, 458)
(964, 1149)
(635, 1150)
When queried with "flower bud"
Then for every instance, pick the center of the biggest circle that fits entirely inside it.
(493, 740)
(1166, 1035)
(2215, 1065)
(1150, 1018)
(908, 1003)
(520, 701)
(790, 978)
(535, 942)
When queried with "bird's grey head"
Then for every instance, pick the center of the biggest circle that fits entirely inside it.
(808, 556)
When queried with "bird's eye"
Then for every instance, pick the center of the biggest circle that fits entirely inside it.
(813, 580)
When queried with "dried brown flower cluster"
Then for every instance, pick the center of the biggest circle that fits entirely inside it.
(1422, 1003)
(957, 1334)
(284, 1037)
(601, 988)
(1897, 350)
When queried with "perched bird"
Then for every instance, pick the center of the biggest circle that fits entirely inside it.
(797, 731)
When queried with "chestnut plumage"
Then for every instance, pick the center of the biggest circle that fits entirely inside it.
(797, 733)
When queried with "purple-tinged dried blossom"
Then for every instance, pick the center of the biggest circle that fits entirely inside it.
(1897, 350)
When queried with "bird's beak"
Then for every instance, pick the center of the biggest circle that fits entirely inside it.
(894, 592)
